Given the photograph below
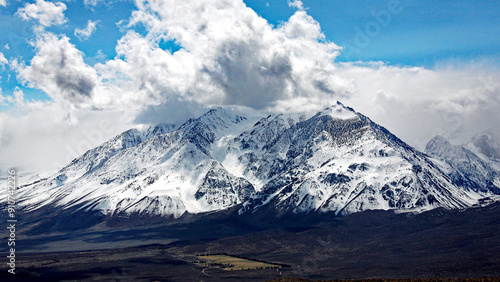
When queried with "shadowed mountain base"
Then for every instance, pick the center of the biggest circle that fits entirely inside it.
(374, 244)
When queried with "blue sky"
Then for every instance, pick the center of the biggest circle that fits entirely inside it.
(423, 33)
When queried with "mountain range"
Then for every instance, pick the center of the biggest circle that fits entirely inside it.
(336, 160)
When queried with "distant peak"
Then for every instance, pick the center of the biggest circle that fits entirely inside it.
(218, 112)
(487, 145)
(438, 139)
(484, 138)
(437, 142)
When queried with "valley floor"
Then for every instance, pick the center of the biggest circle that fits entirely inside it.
(369, 245)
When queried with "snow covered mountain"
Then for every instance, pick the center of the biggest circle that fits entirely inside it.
(334, 161)
(486, 148)
(468, 170)
(339, 160)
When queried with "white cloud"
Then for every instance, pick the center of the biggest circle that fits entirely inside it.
(19, 97)
(3, 60)
(234, 56)
(3, 3)
(296, 4)
(84, 33)
(59, 70)
(143, 74)
(47, 13)
(44, 137)
(6, 47)
(100, 56)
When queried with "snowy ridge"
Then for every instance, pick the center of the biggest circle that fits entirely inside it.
(484, 146)
(335, 161)
(468, 170)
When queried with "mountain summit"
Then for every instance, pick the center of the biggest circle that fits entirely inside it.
(337, 161)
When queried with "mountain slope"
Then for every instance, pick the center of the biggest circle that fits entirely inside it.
(157, 172)
(341, 161)
(466, 169)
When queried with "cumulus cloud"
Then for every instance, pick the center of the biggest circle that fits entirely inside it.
(59, 70)
(143, 74)
(84, 33)
(236, 57)
(229, 56)
(47, 13)
(3, 3)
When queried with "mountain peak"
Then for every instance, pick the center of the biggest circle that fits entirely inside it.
(216, 118)
(487, 146)
(437, 141)
(339, 111)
